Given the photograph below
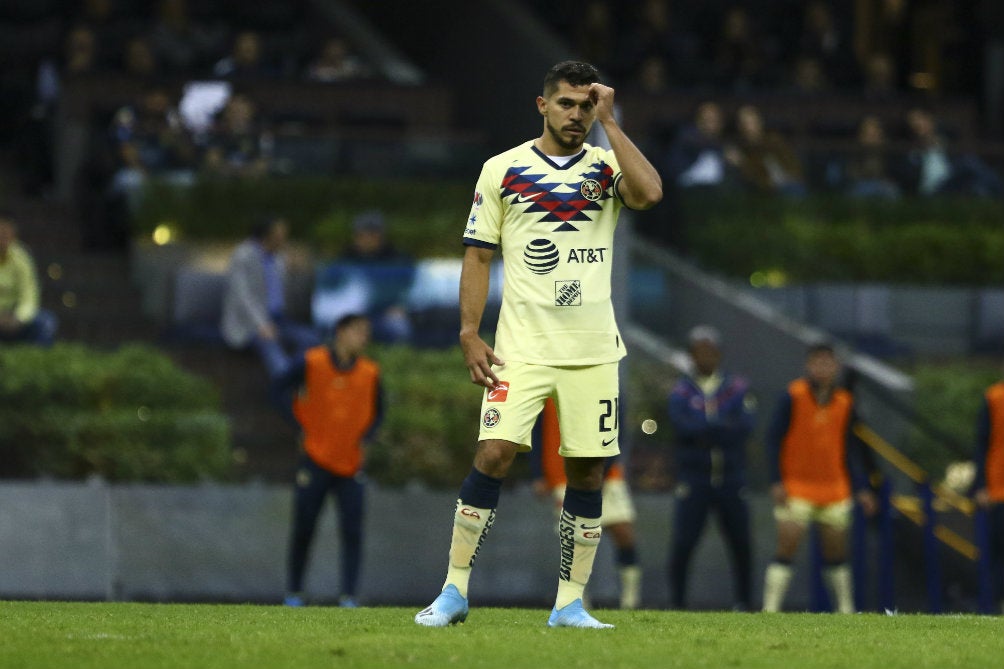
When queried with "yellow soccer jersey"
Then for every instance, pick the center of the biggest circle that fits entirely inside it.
(555, 226)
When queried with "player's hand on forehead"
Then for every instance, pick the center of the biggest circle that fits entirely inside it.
(602, 97)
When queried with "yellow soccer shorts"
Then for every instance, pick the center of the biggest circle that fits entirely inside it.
(803, 512)
(586, 398)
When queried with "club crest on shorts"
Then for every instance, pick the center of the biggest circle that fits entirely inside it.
(491, 418)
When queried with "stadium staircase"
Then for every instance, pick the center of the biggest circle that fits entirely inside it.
(925, 551)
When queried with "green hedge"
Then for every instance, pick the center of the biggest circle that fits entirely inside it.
(819, 238)
(949, 395)
(131, 415)
(431, 423)
(424, 217)
(937, 241)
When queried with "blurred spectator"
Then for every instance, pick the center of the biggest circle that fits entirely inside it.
(808, 77)
(594, 35)
(254, 301)
(21, 319)
(933, 171)
(868, 173)
(180, 43)
(112, 26)
(389, 273)
(138, 59)
(655, 32)
(653, 76)
(237, 144)
(765, 161)
(883, 27)
(148, 137)
(879, 83)
(824, 41)
(697, 156)
(739, 58)
(78, 58)
(335, 63)
(245, 61)
(81, 52)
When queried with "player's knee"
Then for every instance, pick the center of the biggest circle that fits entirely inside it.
(494, 457)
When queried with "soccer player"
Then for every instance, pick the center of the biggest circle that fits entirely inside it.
(989, 483)
(339, 406)
(551, 205)
(618, 508)
(712, 413)
(813, 455)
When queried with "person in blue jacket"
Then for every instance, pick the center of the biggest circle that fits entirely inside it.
(712, 413)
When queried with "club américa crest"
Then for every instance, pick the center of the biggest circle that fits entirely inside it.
(591, 190)
(491, 417)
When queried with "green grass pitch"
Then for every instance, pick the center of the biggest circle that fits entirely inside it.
(214, 636)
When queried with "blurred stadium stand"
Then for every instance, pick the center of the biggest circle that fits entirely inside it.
(443, 108)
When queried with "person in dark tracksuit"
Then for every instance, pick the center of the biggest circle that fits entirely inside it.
(339, 406)
(712, 413)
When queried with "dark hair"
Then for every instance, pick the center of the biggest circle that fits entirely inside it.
(261, 227)
(347, 320)
(823, 346)
(574, 72)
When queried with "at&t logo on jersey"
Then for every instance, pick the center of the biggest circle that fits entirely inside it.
(568, 293)
(491, 418)
(541, 256)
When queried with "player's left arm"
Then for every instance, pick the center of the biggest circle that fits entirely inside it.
(640, 185)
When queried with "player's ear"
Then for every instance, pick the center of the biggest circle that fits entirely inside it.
(542, 105)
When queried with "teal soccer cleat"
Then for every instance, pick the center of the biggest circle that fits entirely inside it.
(448, 609)
(573, 615)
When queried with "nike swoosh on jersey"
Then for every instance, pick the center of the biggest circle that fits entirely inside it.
(521, 197)
(607, 442)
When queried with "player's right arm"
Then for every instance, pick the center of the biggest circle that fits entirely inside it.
(474, 280)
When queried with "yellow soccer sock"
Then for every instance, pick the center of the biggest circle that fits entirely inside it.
(838, 578)
(630, 586)
(579, 538)
(775, 586)
(470, 525)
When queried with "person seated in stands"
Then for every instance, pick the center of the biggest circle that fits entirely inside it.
(21, 319)
(765, 160)
(237, 145)
(879, 76)
(246, 60)
(181, 43)
(254, 300)
(148, 138)
(868, 171)
(697, 155)
(335, 63)
(371, 276)
(935, 171)
(389, 272)
(826, 42)
(739, 61)
(139, 60)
